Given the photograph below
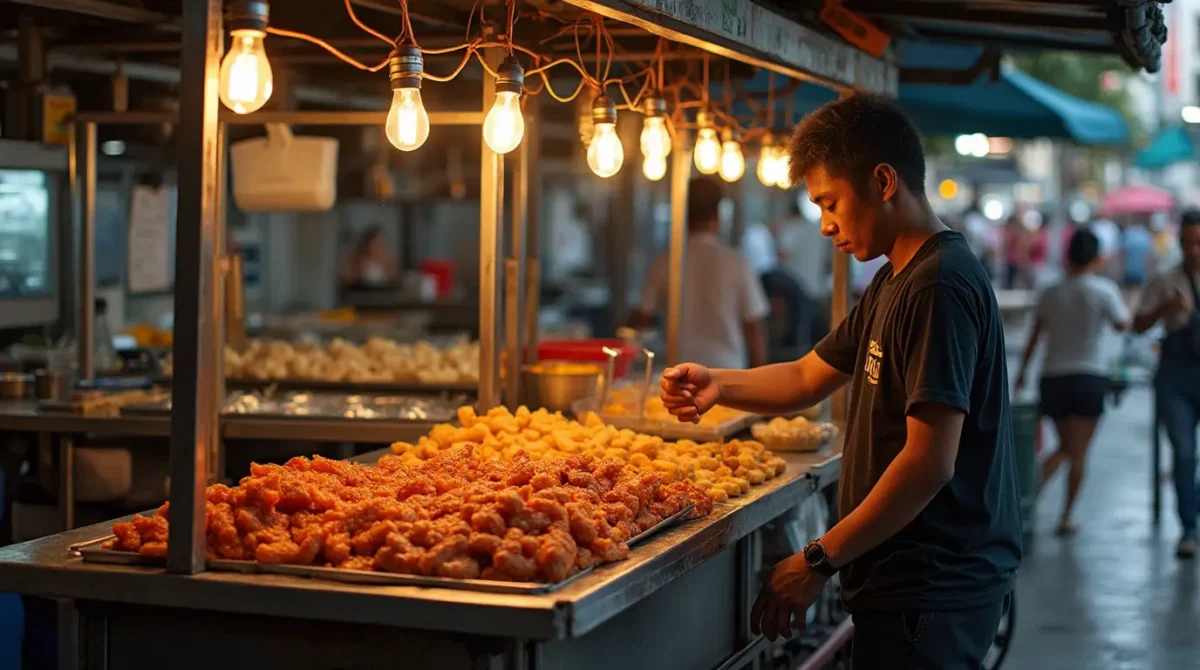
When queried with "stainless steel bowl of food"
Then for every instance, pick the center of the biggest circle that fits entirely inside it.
(555, 385)
(14, 385)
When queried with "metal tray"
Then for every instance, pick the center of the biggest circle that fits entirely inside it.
(242, 383)
(672, 430)
(91, 552)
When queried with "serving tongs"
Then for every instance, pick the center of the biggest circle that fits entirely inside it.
(610, 369)
(646, 386)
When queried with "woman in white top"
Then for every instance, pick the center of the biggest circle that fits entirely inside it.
(1074, 316)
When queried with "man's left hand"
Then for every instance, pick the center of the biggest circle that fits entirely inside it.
(790, 591)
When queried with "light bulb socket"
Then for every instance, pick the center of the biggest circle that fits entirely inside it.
(405, 67)
(729, 135)
(604, 110)
(654, 106)
(248, 15)
(705, 119)
(510, 76)
(768, 140)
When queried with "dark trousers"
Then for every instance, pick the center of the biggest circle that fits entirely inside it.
(1177, 390)
(925, 640)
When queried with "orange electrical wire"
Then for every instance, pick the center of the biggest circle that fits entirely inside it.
(328, 47)
(368, 29)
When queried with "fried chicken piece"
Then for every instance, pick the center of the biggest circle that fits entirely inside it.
(483, 544)
(512, 566)
(608, 551)
(462, 567)
(556, 555)
(582, 525)
(449, 549)
(367, 542)
(488, 520)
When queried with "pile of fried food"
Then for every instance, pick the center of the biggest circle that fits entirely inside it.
(796, 434)
(624, 402)
(379, 360)
(455, 515)
(723, 469)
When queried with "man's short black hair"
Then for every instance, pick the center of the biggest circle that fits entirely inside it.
(704, 200)
(1189, 218)
(1083, 248)
(850, 137)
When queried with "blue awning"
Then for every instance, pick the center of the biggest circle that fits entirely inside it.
(1015, 105)
(1171, 145)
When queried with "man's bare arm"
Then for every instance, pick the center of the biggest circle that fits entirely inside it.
(922, 468)
(779, 388)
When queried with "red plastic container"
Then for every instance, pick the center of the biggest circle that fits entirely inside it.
(442, 272)
(589, 351)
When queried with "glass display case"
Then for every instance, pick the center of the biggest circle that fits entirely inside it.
(25, 234)
(33, 183)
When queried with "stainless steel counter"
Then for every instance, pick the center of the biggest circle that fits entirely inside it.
(45, 567)
(25, 416)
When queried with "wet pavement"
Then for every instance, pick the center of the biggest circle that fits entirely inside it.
(1113, 597)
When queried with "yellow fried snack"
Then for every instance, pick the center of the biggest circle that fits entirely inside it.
(726, 469)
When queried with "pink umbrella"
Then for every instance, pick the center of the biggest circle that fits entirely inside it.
(1136, 200)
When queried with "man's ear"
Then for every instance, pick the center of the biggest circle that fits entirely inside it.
(886, 180)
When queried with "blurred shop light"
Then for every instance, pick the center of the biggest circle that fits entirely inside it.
(993, 210)
(1079, 211)
(113, 148)
(1190, 114)
(972, 145)
(948, 189)
(999, 145)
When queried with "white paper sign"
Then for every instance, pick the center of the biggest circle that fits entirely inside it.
(149, 240)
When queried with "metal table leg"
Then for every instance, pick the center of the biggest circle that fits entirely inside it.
(66, 480)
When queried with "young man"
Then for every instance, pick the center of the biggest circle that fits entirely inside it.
(723, 302)
(1174, 299)
(1074, 316)
(930, 532)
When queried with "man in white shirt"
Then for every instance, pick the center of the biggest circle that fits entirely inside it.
(723, 301)
(759, 246)
(806, 255)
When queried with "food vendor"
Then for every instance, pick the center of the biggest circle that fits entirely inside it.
(929, 539)
(724, 307)
(369, 264)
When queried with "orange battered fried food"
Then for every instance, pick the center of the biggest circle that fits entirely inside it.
(454, 515)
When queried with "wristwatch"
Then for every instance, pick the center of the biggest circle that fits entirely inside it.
(817, 559)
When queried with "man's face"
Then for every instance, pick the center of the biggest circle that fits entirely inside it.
(851, 219)
(1189, 243)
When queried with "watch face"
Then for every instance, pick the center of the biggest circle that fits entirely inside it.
(814, 553)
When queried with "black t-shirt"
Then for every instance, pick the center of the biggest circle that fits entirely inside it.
(931, 334)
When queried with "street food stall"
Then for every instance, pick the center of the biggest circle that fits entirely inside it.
(376, 562)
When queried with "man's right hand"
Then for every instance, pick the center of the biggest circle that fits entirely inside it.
(688, 391)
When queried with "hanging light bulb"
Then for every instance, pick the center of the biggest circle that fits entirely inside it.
(782, 171)
(407, 125)
(654, 167)
(768, 157)
(733, 164)
(246, 80)
(504, 125)
(707, 152)
(605, 153)
(656, 139)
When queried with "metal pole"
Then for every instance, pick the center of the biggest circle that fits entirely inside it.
(86, 346)
(69, 249)
(533, 236)
(194, 420)
(491, 250)
(225, 284)
(681, 174)
(514, 277)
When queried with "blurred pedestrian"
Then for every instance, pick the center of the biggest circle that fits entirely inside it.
(1173, 299)
(1137, 258)
(1074, 315)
